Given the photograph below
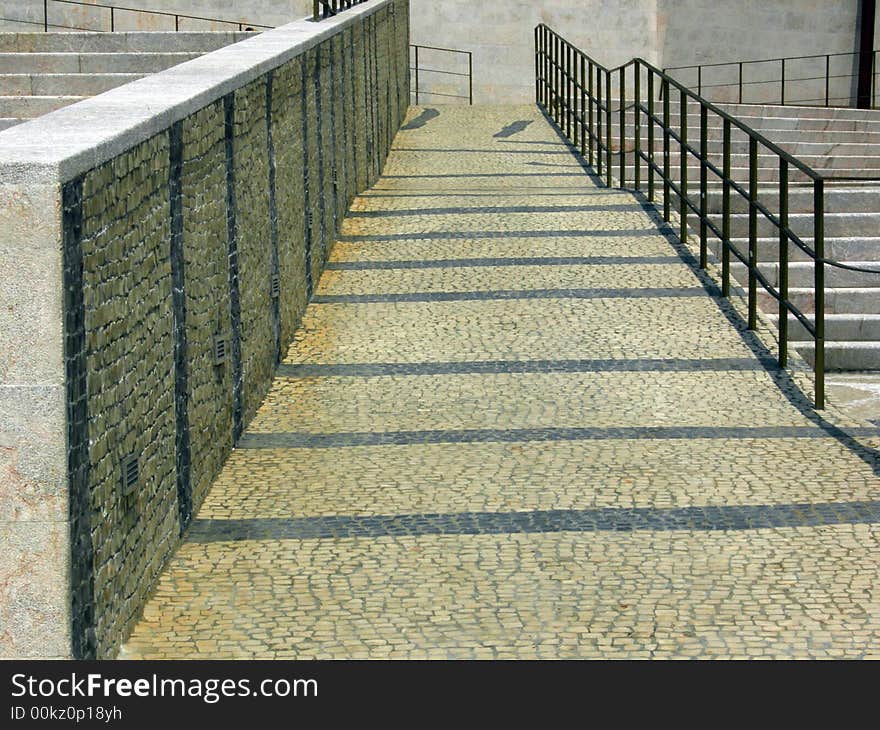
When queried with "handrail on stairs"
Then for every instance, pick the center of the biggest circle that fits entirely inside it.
(784, 79)
(242, 25)
(569, 86)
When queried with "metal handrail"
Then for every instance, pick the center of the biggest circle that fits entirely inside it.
(784, 79)
(416, 69)
(328, 8)
(113, 8)
(569, 86)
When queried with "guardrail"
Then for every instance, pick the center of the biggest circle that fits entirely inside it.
(417, 69)
(569, 86)
(329, 8)
(113, 9)
(786, 67)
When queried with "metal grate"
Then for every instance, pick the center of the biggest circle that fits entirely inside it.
(220, 350)
(129, 473)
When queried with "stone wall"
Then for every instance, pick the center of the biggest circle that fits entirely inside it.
(25, 14)
(663, 32)
(204, 224)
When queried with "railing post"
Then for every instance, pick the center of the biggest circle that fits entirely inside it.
(637, 122)
(704, 184)
(608, 128)
(783, 262)
(600, 157)
(622, 137)
(568, 90)
(315, 10)
(740, 82)
(650, 135)
(575, 101)
(827, 78)
(417, 70)
(725, 210)
(537, 66)
(753, 232)
(664, 90)
(783, 82)
(592, 128)
(699, 80)
(112, 19)
(683, 166)
(176, 23)
(819, 288)
(584, 109)
(45, 16)
(470, 78)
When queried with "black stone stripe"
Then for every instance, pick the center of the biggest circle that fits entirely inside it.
(307, 222)
(178, 310)
(234, 292)
(319, 130)
(82, 565)
(302, 440)
(707, 518)
(491, 209)
(274, 264)
(507, 261)
(673, 365)
(504, 294)
(474, 235)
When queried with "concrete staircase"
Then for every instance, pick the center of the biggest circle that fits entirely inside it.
(42, 72)
(834, 141)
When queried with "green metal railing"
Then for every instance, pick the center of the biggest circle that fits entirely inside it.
(418, 69)
(576, 92)
(329, 8)
(112, 10)
(780, 75)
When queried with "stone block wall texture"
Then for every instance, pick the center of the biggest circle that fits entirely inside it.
(663, 32)
(24, 14)
(212, 231)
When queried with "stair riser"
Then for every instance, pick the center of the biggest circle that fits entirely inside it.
(837, 328)
(62, 84)
(104, 63)
(836, 249)
(129, 42)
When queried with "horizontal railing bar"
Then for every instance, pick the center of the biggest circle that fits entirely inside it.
(160, 12)
(437, 93)
(763, 60)
(438, 48)
(438, 71)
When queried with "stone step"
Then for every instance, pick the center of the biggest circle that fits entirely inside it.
(29, 107)
(62, 84)
(838, 327)
(119, 42)
(767, 174)
(837, 225)
(800, 274)
(856, 248)
(60, 63)
(840, 300)
(844, 355)
(800, 200)
(785, 138)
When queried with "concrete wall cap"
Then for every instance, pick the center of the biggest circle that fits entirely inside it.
(59, 146)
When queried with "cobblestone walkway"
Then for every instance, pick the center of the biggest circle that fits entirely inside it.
(516, 422)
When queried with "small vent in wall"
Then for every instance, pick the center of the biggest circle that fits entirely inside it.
(276, 286)
(130, 473)
(219, 350)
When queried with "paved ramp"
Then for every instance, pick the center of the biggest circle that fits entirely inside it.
(517, 422)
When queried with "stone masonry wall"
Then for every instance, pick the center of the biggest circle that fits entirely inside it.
(188, 260)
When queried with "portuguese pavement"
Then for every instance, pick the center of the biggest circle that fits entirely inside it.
(518, 422)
